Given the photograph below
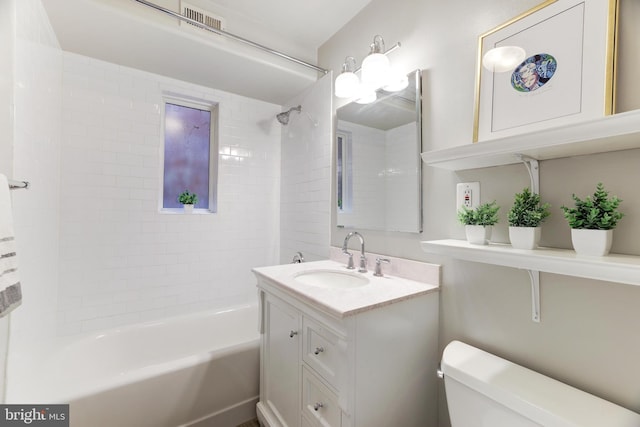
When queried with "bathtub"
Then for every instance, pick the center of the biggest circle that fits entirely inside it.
(196, 370)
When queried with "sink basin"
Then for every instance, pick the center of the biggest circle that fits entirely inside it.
(331, 279)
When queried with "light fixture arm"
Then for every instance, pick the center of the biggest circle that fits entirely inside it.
(349, 65)
(378, 44)
(387, 52)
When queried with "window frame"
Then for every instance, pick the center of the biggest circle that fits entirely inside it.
(344, 138)
(204, 105)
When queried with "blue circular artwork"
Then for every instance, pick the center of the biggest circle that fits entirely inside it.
(534, 72)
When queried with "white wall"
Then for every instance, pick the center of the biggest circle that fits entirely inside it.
(121, 260)
(587, 334)
(37, 96)
(305, 191)
(7, 41)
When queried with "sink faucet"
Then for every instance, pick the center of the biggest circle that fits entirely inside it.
(363, 260)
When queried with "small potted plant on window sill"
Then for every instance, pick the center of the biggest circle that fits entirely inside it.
(479, 222)
(592, 221)
(525, 217)
(188, 200)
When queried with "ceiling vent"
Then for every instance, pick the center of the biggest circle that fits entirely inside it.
(200, 15)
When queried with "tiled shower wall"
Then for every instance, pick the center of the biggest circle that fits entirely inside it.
(385, 169)
(123, 261)
(37, 90)
(306, 175)
(368, 148)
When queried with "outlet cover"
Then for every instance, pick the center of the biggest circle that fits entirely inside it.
(467, 194)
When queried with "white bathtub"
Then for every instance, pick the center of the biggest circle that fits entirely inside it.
(196, 370)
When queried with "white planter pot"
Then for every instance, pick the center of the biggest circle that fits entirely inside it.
(478, 234)
(591, 242)
(187, 208)
(524, 237)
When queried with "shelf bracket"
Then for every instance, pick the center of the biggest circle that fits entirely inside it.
(534, 171)
(534, 276)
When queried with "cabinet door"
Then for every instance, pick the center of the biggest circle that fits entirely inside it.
(282, 361)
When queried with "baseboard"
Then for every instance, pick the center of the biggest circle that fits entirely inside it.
(266, 417)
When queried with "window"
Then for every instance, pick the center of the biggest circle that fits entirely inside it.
(344, 170)
(190, 153)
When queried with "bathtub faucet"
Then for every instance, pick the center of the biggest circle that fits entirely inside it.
(363, 259)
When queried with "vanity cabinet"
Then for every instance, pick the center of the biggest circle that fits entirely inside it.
(375, 367)
(281, 351)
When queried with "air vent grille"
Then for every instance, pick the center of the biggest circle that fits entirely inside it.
(200, 15)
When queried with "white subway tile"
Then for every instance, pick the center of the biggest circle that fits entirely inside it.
(119, 253)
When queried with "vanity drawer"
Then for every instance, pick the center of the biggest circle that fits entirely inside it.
(319, 403)
(324, 351)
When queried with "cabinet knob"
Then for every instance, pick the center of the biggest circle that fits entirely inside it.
(318, 350)
(318, 405)
(293, 334)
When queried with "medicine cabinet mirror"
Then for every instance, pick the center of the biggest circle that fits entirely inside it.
(378, 162)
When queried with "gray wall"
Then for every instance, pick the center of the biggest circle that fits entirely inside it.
(588, 333)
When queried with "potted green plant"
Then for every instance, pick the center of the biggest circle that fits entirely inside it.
(479, 222)
(592, 221)
(188, 200)
(525, 217)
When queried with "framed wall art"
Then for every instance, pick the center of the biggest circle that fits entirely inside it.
(567, 75)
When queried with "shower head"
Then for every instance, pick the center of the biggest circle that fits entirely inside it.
(283, 117)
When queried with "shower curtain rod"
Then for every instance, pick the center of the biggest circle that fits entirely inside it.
(232, 36)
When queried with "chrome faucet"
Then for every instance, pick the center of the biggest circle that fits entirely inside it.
(298, 258)
(379, 262)
(363, 259)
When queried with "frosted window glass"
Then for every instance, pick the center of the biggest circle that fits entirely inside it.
(187, 148)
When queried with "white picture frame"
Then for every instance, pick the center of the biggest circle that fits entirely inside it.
(567, 75)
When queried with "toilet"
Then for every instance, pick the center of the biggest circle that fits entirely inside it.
(484, 390)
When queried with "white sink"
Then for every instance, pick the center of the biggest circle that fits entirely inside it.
(331, 279)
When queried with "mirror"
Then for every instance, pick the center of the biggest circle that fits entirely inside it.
(378, 164)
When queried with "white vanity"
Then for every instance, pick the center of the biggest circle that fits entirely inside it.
(344, 349)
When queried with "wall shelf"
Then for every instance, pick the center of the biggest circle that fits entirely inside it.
(612, 268)
(610, 133)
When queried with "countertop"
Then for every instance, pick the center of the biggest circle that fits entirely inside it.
(341, 302)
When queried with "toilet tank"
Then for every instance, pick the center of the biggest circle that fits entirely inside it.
(484, 390)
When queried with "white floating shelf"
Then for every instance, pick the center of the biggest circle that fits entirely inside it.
(612, 268)
(610, 133)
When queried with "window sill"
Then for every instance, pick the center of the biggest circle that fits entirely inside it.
(180, 211)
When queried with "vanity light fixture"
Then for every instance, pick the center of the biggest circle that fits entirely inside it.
(347, 83)
(376, 67)
(503, 58)
(376, 73)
